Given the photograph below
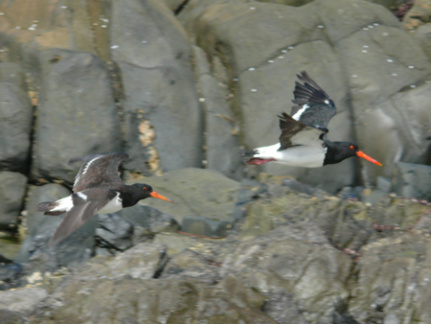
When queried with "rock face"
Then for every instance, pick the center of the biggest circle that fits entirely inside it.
(412, 180)
(295, 258)
(12, 193)
(274, 45)
(204, 201)
(158, 83)
(77, 115)
(184, 87)
(15, 119)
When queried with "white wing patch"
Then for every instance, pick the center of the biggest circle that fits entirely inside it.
(299, 113)
(82, 196)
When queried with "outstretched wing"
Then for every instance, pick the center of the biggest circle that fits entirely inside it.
(84, 206)
(313, 105)
(294, 133)
(98, 170)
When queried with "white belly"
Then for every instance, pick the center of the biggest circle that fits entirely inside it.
(300, 156)
(113, 206)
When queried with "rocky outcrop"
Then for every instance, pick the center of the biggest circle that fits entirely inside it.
(76, 113)
(16, 114)
(296, 258)
(183, 87)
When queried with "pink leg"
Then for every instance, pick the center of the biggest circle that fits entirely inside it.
(258, 161)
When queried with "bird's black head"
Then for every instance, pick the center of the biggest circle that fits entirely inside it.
(338, 151)
(146, 191)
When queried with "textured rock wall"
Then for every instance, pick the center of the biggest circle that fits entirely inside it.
(184, 86)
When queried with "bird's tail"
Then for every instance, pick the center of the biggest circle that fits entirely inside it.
(47, 206)
(248, 153)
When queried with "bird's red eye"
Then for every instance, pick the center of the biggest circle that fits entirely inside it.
(351, 147)
(145, 188)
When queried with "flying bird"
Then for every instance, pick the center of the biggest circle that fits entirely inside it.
(98, 189)
(303, 141)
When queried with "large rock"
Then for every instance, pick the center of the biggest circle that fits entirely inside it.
(353, 39)
(15, 119)
(413, 180)
(222, 152)
(297, 258)
(162, 114)
(203, 200)
(394, 285)
(76, 116)
(12, 193)
(402, 124)
(293, 264)
(34, 25)
(22, 301)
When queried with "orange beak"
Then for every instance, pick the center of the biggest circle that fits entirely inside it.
(159, 196)
(368, 158)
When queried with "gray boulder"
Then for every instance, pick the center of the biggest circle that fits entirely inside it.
(35, 252)
(402, 125)
(413, 180)
(393, 284)
(76, 115)
(160, 102)
(222, 147)
(152, 219)
(201, 197)
(16, 304)
(275, 44)
(423, 35)
(16, 114)
(113, 232)
(12, 193)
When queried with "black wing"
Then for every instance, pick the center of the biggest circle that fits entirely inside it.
(81, 212)
(294, 133)
(313, 105)
(98, 170)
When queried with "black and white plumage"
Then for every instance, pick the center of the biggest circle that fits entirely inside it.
(303, 141)
(98, 189)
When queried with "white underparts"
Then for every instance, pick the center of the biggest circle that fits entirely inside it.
(112, 206)
(300, 156)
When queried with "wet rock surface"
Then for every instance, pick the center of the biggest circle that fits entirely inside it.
(184, 87)
(294, 258)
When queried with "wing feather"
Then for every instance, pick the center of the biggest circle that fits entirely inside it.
(82, 211)
(294, 133)
(98, 170)
(313, 106)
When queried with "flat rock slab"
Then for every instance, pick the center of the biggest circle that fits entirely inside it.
(197, 194)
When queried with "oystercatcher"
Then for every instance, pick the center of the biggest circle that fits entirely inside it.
(303, 140)
(98, 189)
